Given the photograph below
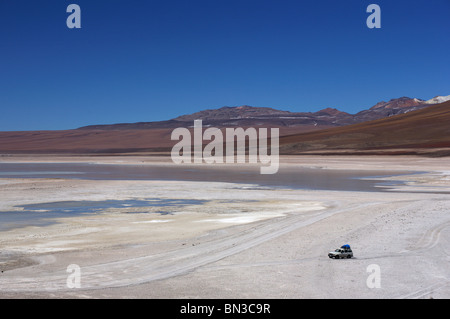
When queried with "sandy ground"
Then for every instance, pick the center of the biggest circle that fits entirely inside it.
(243, 241)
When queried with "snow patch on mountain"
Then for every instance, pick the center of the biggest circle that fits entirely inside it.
(438, 99)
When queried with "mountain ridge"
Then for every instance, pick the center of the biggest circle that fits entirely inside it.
(419, 129)
(247, 116)
(425, 131)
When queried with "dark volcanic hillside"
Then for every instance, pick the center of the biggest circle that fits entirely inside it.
(231, 113)
(393, 107)
(425, 131)
(416, 125)
(249, 116)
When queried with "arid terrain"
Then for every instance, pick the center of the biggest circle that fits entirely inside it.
(424, 132)
(232, 235)
(225, 150)
(232, 240)
(401, 126)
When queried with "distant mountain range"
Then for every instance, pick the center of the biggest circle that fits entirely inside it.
(423, 132)
(399, 126)
(249, 116)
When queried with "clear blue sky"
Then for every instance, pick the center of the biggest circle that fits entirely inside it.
(150, 60)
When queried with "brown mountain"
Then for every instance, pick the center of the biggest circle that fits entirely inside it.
(328, 130)
(250, 116)
(424, 131)
(393, 107)
(234, 113)
(243, 116)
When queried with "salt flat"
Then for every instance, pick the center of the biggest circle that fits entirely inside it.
(238, 241)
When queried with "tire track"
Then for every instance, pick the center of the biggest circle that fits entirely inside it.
(173, 263)
(425, 291)
(431, 238)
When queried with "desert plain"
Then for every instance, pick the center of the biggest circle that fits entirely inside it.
(231, 240)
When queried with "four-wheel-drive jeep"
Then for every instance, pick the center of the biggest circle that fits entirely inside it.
(343, 252)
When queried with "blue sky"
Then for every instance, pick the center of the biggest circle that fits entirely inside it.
(136, 61)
